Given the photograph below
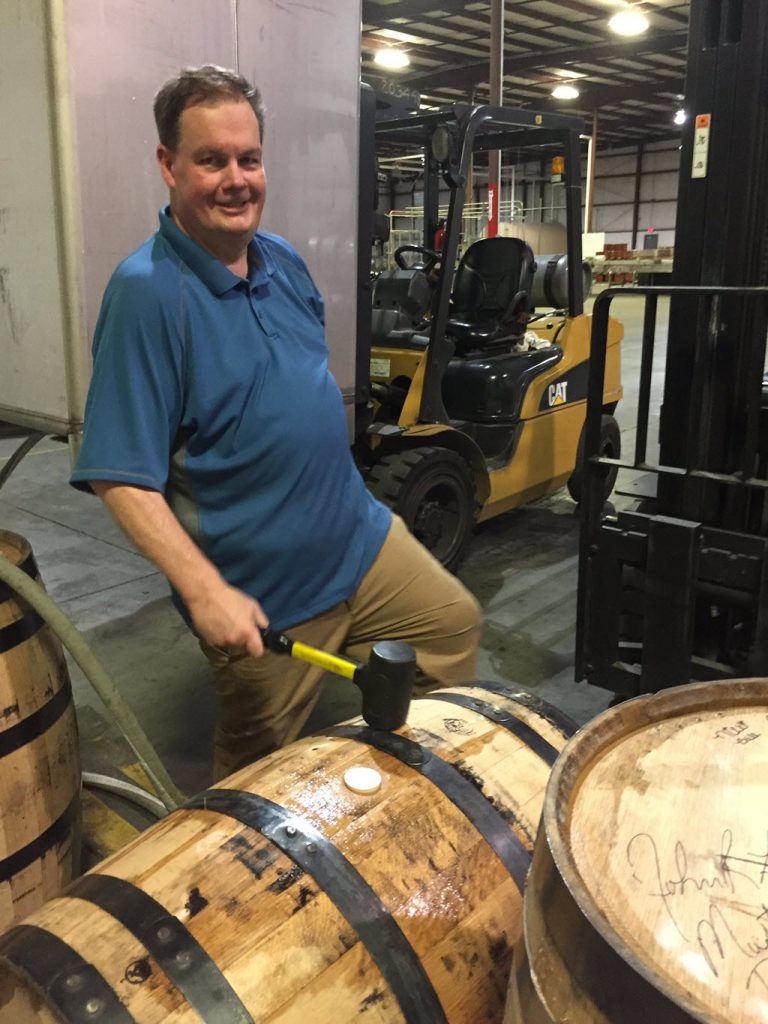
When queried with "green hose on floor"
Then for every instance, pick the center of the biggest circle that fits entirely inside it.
(33, 594)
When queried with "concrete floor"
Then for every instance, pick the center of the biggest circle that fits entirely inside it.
(522, 567)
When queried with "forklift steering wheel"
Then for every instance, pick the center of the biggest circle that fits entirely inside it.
(431, 257)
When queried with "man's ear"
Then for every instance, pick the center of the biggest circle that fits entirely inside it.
(165, 158)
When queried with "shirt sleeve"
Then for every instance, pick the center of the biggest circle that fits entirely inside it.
(135, 400)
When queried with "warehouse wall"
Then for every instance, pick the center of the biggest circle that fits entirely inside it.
(615, 183)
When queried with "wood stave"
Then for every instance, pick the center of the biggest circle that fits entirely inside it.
(39, 754)
(581, 970)
(464, 867)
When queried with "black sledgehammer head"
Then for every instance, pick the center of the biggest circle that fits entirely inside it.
(386, 682)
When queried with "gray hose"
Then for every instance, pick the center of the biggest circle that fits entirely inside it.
(26, 445)
(128, 790)
(31, 592)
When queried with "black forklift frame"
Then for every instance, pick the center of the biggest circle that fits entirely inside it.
(471, 130)
(680, 558)
(679, 589)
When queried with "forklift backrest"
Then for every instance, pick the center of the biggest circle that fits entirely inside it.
(494, 280)
(491, 300)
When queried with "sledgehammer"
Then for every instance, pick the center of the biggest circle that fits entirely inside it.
(385, 681)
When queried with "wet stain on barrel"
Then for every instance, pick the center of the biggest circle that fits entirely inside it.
(257, 861)
(506, 813)
(530, 836)
(138, 971)
(499, 949)
(512, 819)
(469, 774)
(10, 712)
(305, 895)
(285, 879)
(448, 962)
(375, 997)
(471, 962)
(196, 902)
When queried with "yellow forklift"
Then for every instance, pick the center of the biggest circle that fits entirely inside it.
(478, 365)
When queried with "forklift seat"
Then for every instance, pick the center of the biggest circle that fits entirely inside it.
(491, 294)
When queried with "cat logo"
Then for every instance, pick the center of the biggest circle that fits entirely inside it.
(556, 393)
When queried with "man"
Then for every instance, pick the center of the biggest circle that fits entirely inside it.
(217, 438)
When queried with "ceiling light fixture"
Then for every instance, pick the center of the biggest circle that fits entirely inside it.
(680, 117)
(395, 60)
(629, 22)
(565, 92)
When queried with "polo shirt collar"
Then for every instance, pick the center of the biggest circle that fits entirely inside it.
(207, 267)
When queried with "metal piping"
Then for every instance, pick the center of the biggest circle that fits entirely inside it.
(67, 207)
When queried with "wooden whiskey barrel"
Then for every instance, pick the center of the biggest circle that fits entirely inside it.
(648, 895)
(39, 755)
(283, 895)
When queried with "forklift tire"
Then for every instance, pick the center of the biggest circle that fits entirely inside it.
(434, 492)
(610, 446)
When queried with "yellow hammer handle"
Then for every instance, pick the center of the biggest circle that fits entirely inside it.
(330, 662)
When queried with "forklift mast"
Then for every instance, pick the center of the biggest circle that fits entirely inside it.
(721, 239)
(678, 590)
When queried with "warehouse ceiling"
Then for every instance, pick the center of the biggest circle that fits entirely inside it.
(635, 85)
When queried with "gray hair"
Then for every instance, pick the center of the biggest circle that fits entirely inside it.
(192, 86)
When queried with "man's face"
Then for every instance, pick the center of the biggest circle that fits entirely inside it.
(216, 175)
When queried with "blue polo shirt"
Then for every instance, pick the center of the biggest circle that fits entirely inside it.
(215, 391)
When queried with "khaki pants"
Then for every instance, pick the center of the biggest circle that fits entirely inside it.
(405, 595)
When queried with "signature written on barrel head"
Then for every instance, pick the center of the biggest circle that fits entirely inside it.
(717, 901)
